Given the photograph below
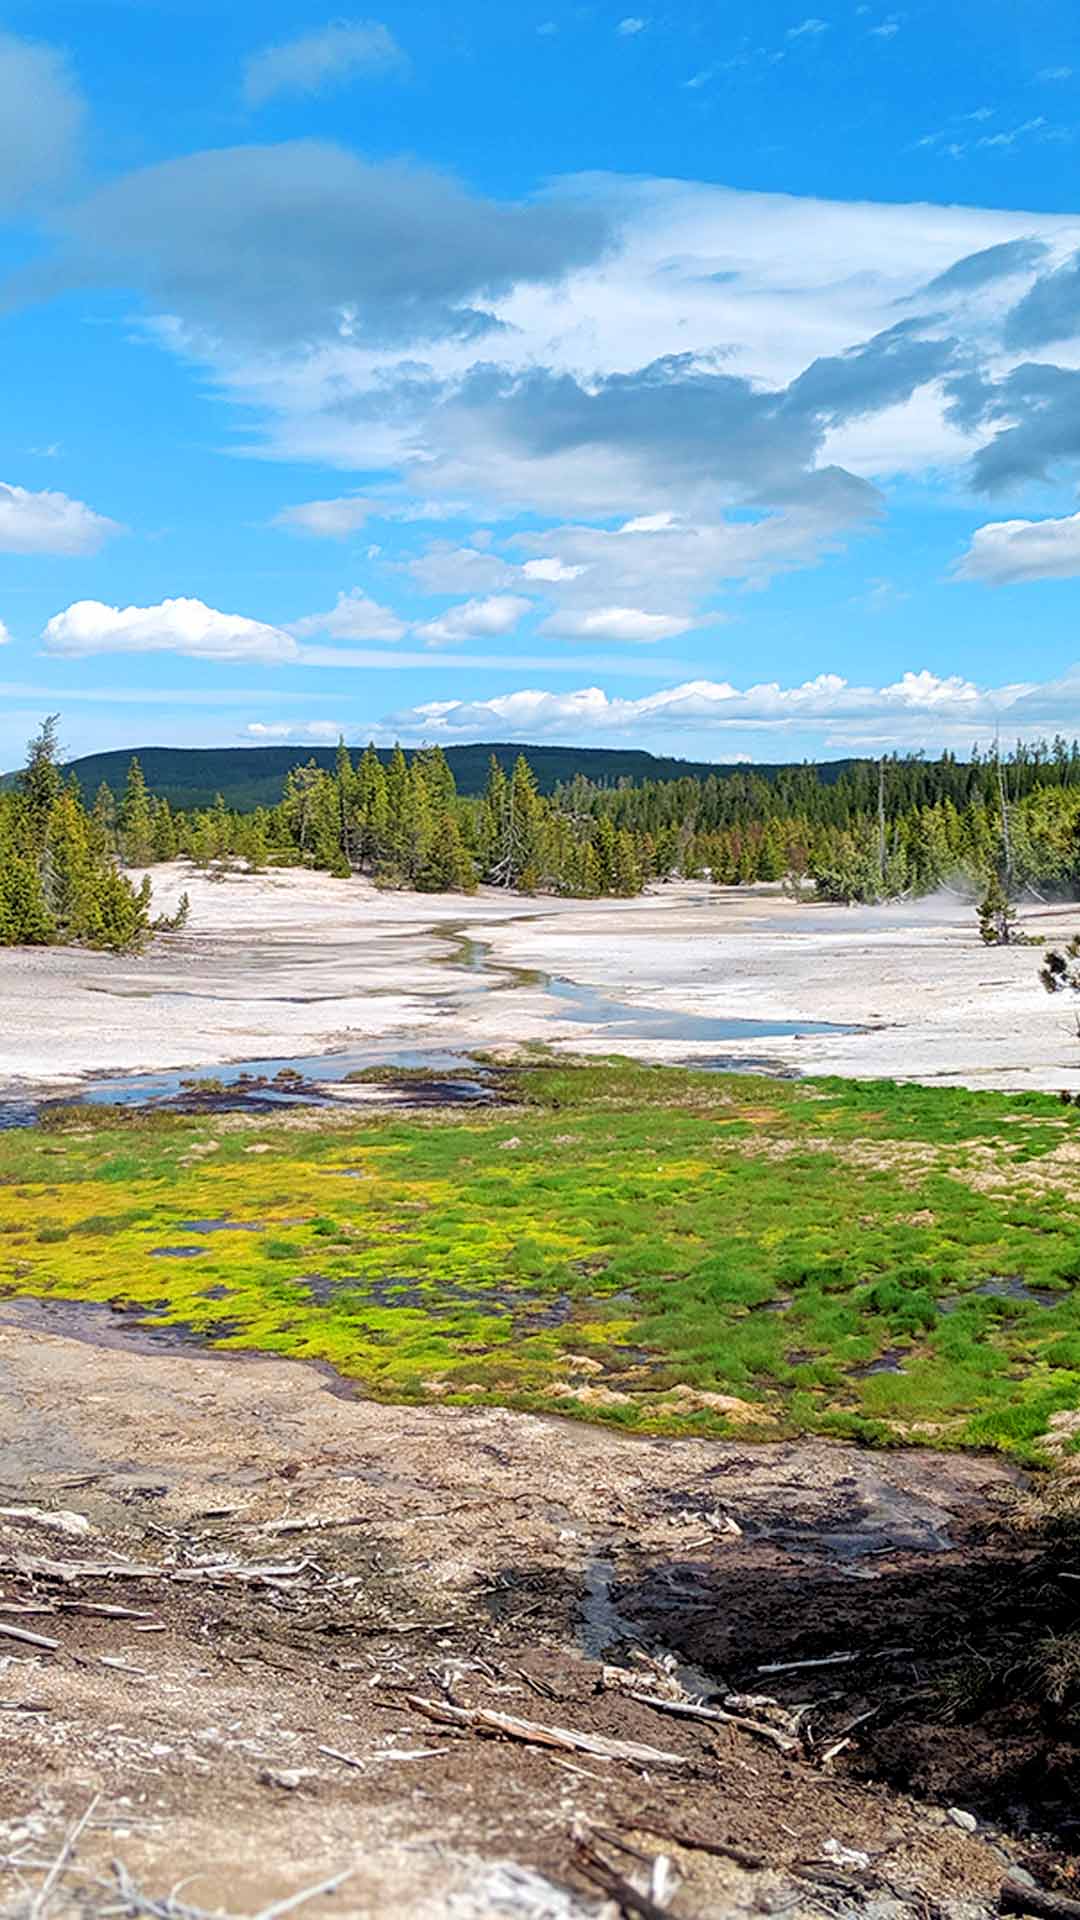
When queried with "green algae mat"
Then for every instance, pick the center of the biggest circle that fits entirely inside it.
(664, 1250)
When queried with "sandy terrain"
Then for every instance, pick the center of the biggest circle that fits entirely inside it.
(288, 964)
(486, 1560)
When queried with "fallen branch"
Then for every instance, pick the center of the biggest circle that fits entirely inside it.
(691, 1710)
(1017, 1898)
(346, 1759)
(697, 1843)
(566, 1739)
(28, 1639)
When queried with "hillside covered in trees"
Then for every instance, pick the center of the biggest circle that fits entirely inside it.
(250, 777)
(864, 830)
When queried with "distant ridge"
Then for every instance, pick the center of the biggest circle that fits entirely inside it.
(249, 777)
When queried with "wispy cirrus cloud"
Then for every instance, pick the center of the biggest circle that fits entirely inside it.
(315, 62)
(42, 113)
(327, 519)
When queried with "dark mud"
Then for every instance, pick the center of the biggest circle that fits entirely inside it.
(927, 1645)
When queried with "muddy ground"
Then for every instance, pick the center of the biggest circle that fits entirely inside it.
(314, 1565)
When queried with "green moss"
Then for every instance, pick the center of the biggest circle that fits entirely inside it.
(768, 1240)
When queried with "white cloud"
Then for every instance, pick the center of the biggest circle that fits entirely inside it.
(354, 616)
(49, 523)
(808, 29)
(919, 707)
(552, 570)
(631, 25)
(1054, 73)
(445, 568)
(487, 619)
(327, 519)
(629, 625)
(888, 28)
(41, 118)
(324, 732)
(174, 626)
(315, 62)
(5, 635)
(649, 523)
(1006, 552)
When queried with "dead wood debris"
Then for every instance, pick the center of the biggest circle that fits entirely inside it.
(696, 1710)
(566, 1739)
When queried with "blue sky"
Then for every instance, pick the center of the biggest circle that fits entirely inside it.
(701, 379)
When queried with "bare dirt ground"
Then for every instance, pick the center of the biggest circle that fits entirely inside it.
(288, 963)
(309, 1567)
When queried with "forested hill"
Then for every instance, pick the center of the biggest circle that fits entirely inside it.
(250, 777)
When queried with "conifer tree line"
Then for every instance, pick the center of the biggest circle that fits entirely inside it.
(59, 878)
(404, 824)
(870, 830)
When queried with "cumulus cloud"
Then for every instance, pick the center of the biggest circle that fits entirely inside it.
(315, 62)
(41, 118)
(630, 625)
(354, 616)
(333, 247)
(327, 519)
(174, 626)
(486, 619)
(633, 24)
(49, 523)
(1006, 552)
(919, 706)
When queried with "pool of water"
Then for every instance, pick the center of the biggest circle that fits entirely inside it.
(589, 1006)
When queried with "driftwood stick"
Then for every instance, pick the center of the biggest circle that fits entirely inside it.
(41, 1640)
(1015, 1897)
(486, 1720)
(690, 1710)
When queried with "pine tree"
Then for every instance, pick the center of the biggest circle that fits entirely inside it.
(136, 826)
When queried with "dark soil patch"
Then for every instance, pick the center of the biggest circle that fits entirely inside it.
(942, 1642)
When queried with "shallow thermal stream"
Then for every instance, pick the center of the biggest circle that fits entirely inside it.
(283, 1081)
